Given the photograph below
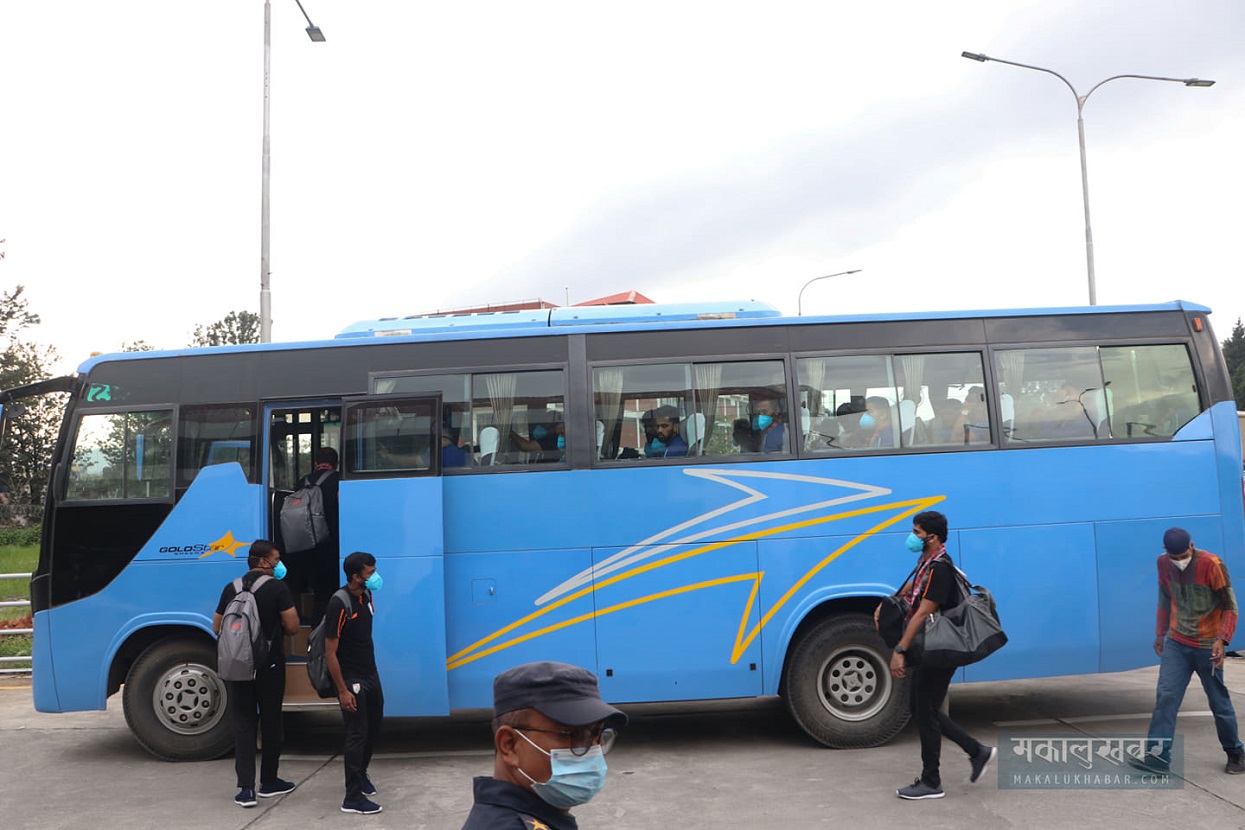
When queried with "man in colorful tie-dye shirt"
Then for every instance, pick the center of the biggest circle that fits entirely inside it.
(1196, 619)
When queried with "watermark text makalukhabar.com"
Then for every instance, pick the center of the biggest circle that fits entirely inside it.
(1082, 762)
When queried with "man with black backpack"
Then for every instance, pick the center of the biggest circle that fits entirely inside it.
(257, 702)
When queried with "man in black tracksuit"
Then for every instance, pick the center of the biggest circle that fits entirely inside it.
(351, 660)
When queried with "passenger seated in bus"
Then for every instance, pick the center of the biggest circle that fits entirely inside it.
(1067, 419)
(668, 443)
(941, 428)
(768, 425)
(973, 426)
(649, 422)
(452, 453)
(743, 436)
(546, 442)
(877, 420)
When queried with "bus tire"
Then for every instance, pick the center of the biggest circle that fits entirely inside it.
(838, 686)
(175, 704)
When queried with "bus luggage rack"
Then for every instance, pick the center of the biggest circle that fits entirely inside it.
(4, 632)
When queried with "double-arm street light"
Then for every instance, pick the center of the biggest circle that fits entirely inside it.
(1080, 128)
(265, 296)
(799, 302)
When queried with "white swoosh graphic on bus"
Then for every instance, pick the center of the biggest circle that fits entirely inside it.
(648, 548)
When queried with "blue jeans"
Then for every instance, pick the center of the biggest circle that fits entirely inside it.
(1176, 668)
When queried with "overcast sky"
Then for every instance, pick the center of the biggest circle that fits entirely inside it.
(430, 156)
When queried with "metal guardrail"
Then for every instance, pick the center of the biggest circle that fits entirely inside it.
(23, 603)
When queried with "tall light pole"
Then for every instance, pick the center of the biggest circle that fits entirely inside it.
(799, 303)
(265, 296)
(1080, 129)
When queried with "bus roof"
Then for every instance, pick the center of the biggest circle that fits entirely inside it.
(583, 319)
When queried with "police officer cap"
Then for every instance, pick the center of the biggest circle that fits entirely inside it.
(560, 692)
(1177, 540)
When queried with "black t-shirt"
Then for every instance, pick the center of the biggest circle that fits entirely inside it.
(352, 628)
(942, 587)
(271, 599)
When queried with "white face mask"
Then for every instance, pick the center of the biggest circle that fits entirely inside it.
(1182, 563)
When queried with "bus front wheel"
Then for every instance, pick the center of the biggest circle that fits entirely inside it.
(175, 704)
(838, 684)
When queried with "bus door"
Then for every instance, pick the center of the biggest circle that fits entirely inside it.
(296, 432)
(391, 507)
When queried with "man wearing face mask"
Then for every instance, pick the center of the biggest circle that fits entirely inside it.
(551, 731)
(933, 586)
(1196, 619)
(257, 703)
(351, 660)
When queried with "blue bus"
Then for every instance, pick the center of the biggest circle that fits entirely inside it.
(693, 501)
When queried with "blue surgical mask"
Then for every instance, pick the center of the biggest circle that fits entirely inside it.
(866, 421)
(657, 445)
(539, 432)
(762, 421)
(374, 582)
(279, 571)
(573, 779)
(561, 442)
(915, 543)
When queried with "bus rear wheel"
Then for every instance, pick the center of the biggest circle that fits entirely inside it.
(838, 686)
(175, 704)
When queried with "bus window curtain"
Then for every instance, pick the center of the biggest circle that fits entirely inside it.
(913, 366)
(501, 389)
(609, 410)
(1012, 367)
(812, 377)
(708, 383)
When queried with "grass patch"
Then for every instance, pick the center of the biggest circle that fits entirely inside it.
(20, 560)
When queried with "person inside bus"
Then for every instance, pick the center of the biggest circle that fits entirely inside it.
(667, 443)
(768, 425)
(1067, 418)
(972, 427)
(648, 421)
(316, 569)
(551, 732)
(546, 441)
(877, 421)
(452, 453)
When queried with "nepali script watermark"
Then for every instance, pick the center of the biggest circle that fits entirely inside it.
(1081, 762)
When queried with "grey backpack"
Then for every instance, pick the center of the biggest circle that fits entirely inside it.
(303, 524)
(241, 646)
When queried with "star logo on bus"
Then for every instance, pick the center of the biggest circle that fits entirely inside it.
(746, 519)
(225, 544)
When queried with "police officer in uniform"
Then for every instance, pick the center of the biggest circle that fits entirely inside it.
(551, 731)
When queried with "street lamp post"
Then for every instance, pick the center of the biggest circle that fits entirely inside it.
(799, 303)
(1080, 129)
(265, 295)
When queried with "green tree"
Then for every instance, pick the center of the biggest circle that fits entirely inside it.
(1234, 354)
(236, 328)
(26, 457)
(137, 346)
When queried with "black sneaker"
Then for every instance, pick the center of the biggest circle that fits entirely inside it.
(981, 762)
(1236, 764)
(361, 805)
(918, 790)
(277, 787)
(367, 787)
(1152, 763)
(245, 798)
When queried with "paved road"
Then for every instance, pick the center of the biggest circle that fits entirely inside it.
(732, 764)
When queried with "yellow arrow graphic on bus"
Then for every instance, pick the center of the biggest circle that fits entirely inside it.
(482, 647)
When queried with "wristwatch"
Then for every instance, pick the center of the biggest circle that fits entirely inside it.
(900, 650)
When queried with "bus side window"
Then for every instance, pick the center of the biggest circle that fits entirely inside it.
(208, 435)
(121, 455)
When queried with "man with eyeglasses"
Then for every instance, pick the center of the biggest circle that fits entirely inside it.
(551, 731)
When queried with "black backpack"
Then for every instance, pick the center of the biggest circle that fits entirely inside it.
(317, 667)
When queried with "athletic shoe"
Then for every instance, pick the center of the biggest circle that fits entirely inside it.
(981, 762)
(367, 787)
(245, 798)
(1153, 764)
(1236, 764)
(361, 805)
(918, 790)
(277, 787)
